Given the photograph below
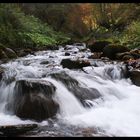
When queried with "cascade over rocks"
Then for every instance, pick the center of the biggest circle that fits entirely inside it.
(33, 99)
(73, 85)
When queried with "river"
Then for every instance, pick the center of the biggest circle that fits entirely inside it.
(115, 112)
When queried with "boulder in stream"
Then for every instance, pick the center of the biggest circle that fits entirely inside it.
(10, 53)
(111, 50)
(33, 99)
(135, 77)
(133, 68)
(98, 46)
(80, 92)
(74, 64)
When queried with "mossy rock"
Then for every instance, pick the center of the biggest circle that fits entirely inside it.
(98, 46)
(10, 53)
(111, 50)
(3, 55)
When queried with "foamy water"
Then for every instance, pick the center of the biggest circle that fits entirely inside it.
(117, 111)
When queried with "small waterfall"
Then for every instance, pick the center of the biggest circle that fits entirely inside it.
(69, 105)
(116, 110)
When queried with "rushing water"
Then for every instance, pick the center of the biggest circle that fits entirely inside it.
(116, 112)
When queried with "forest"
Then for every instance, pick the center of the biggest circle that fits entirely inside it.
(38, 25)
(69, 69)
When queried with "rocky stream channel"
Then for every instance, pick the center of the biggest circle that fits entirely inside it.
(67, 93)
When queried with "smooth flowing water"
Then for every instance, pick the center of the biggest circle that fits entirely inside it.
(115, 113)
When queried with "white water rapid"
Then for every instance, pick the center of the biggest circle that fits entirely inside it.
(116, 111)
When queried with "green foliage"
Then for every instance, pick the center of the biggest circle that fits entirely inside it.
(20, 30)
(130, 36)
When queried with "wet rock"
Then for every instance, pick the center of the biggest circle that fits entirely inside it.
(133, 64)
(68, 47)
(67, 54)
(133, 70)
(12, 130)
(133, 54)
(1, 72)
(33, 100)
(52, 47)
(73, 85)
(28, 51)
(98, 46)
(110, 51)
(78, 44)
(127, 57)
(74, 64)
(44, 62)
(95, 55)
(105, 58)
(120, 56)
(24, 52)
(3, 55)
(135, 77)
(10, 53)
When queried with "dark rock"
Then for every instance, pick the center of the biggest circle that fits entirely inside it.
(1, 72)
(135, 53)
(67, 54)
(135, 77)
(127, 57)
(10, 53)
(105, 58)
(3, 55)
(73, 85)
(110, 51)
(28, 51)
(98, 46)
(22, 53)
(52, 47)
(78, 44)
(119, 56)
(133, 69)
(74, 64)
(44, 63)
(33, 100)
(12, 130)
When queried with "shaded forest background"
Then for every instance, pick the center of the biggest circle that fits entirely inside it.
(40, 25)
